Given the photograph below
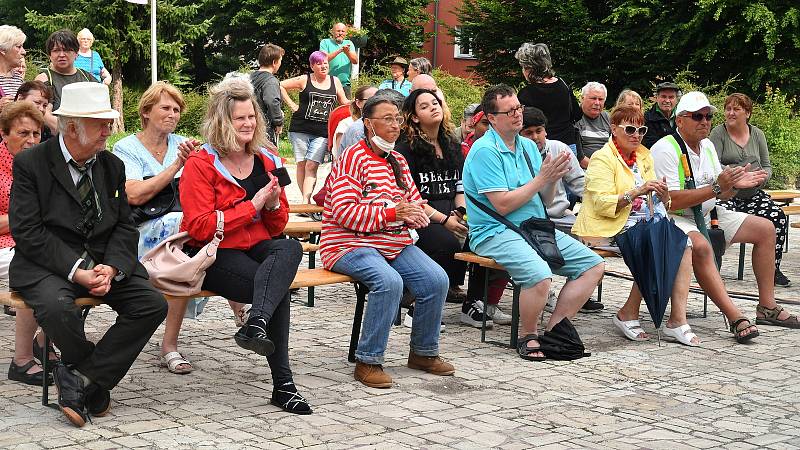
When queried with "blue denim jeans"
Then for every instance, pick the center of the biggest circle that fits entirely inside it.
(385, 280)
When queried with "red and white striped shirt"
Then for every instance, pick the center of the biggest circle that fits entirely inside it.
(359, 207)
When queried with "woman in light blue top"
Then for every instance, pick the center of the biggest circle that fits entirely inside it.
(89, 60)
(153, 159)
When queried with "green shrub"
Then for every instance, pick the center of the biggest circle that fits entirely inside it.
(777, 118)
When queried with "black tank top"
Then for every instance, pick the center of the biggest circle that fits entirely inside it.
(315, 107)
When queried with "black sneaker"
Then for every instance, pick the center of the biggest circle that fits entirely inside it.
(71, 395)
(472, 314)
(98, 400)
(591, 306)
(286, 397)
(781, 280)
(253, 336)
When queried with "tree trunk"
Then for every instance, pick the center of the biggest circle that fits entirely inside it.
(116, 103)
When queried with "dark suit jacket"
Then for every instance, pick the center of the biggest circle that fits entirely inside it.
(44, 215)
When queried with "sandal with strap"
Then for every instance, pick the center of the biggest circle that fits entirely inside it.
(735, 329)
(631, 329)
(288, 399)
(682, 334)
(526, 352)
(771, 317)
(174, 359)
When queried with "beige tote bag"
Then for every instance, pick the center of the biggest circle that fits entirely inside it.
(172, 271)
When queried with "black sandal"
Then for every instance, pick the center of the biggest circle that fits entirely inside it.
(526, 352)
(286, 397)
(735, 330)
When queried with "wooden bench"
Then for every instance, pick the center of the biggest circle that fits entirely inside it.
(307, 278)
(796, 225)
(305, 208)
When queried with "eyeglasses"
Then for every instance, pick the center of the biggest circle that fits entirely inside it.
(513, 111)
(697, 117)
(389, 120)
(630, 130)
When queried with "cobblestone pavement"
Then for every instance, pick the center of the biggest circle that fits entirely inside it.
(626, 395)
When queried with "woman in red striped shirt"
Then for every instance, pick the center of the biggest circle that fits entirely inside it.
(371, 211)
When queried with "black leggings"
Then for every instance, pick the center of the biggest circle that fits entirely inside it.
(761, 205)
(261, 276)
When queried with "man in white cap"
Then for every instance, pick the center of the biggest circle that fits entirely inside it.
(693, 117)
(70, 219)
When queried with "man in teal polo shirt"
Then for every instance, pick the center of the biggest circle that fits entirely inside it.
(341, 55)
(497, 175)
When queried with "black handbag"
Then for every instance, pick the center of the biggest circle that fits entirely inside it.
(166, 201)
(539, 233)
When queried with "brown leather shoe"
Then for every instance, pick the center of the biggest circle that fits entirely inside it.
(430, 364)
(372, 375)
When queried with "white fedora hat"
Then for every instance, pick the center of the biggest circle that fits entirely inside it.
(86, 100)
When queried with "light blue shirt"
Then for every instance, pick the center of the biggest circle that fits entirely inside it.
(139, 162)
(403, 87)
(93, 64)
(491, 167)
(353, 134)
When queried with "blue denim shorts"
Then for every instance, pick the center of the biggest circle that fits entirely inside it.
(308, 146)
(526, 267)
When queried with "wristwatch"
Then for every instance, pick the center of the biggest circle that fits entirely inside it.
(716, 188)
(627, 197)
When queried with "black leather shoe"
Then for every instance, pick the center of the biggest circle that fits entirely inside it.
(253, 336)
(286, 397)
(98, 400)
(71, 395)
(37, 353)
(20, 373)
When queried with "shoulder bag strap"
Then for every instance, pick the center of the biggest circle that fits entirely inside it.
(533, 175)
(494, 214)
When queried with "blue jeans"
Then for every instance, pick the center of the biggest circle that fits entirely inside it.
(385, 279)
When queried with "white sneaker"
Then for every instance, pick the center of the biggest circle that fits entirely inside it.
(497, 315)
(551, 301)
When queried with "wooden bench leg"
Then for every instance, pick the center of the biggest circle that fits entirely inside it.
(740, 274)
(311, 264)
(485, 302)
(515, 317)
(361, 299)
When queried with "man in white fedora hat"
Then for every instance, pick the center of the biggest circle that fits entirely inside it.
(70, 219)
(690, 142)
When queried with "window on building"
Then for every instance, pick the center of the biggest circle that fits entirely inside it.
(462, 46)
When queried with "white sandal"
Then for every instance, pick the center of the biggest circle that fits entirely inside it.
(631, 329)
(682, 334)
(174, 359)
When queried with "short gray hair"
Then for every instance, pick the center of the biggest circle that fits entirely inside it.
(594, 86)
(536, 58)
(390, 95)
(421, 65)
(64, 121)
(10, 36)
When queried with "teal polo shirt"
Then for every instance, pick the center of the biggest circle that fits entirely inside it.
(491, 167)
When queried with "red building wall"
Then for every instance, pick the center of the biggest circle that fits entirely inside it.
(444, 56)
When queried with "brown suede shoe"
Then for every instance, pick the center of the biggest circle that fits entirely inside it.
(430, 364)
(372, 375)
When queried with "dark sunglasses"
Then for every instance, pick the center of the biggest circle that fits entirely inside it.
(697, 117)
(630, 130)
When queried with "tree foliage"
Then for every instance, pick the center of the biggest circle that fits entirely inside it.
(240, 27)
(633, 43)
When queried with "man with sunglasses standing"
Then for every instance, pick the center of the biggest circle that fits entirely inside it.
(660, 119)
(693, 118)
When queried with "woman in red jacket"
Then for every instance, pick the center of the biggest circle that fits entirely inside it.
(231, 173)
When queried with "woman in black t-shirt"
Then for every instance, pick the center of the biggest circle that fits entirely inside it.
(435, 161)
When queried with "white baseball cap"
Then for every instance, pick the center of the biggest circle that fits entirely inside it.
(694, 101)
(86, 99)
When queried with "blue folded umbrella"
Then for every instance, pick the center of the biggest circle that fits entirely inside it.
(652, 249)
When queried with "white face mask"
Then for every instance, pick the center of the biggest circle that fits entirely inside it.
(381, 143)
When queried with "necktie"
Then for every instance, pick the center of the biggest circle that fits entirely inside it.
(90, 206)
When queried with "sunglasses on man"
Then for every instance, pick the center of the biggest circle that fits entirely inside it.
(697, 117)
